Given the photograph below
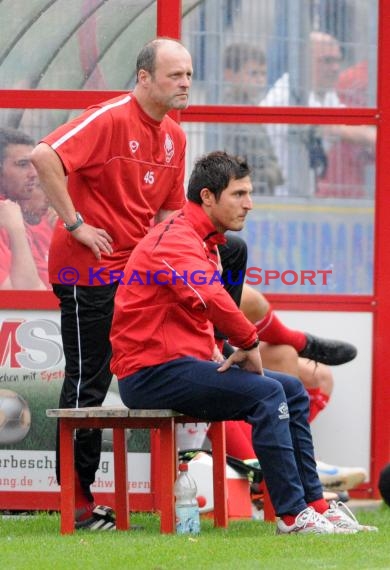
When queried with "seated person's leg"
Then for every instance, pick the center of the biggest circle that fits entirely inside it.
(298, 407)
(197, 388)
(239, 439)
(271, 329)
(234, 255)
(280, 357)
(318, 381)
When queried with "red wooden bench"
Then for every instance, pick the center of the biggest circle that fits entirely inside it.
(163, 460)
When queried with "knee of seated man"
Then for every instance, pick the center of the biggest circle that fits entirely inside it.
(270, 400)
(294, 389)
(292, 386)
(270, 387)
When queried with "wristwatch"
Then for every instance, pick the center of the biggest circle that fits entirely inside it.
(77, 224)
(254, 345)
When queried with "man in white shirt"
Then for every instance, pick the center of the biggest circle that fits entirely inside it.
(302, 150)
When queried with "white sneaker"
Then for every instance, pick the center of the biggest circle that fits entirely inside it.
(342, 517)
(307, 521)
(336, 478)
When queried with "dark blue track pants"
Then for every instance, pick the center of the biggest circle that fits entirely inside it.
(276, 405)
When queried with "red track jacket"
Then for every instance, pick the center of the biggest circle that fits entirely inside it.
(170, 295)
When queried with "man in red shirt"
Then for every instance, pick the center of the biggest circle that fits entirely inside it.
(17, 180)
(17, 174)
(168, 301)
(17, 264)
(108, 174)
(39, 220)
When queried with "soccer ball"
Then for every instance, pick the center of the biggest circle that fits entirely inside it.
(15, 417)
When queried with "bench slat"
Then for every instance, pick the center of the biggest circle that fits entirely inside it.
(110, 412)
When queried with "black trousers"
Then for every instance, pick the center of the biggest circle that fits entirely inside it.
(234, 255)
(86, 317)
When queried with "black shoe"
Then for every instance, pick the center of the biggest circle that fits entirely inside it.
(101, 519)
(327, 351)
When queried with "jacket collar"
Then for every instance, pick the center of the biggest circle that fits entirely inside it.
(203, 225)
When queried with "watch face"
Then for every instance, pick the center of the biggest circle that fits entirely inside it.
(76, 225)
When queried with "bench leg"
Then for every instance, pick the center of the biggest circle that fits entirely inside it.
(219, 475)
(155, 468)
(121, 479)
(67, 473)
(167, 459)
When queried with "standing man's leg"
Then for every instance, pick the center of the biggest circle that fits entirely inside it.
(86, 316)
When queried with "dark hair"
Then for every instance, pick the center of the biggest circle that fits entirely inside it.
(236, 55)
(146, 59)
(10, 136)
(215, 171)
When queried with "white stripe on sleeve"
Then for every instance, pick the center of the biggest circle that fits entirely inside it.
(88, 120)
(186, 283)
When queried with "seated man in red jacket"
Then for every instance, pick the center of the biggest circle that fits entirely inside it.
(168, 301)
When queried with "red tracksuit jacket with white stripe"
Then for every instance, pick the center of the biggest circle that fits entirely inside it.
(171, 295)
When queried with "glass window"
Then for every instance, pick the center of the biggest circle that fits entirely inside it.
(36, 122)
(320, 53)
(310, 231)
(69, 44)
(294, 160)
(310, 248)
(26, 217)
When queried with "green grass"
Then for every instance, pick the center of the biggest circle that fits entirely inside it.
(34, 542)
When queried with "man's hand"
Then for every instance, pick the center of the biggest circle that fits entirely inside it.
(217, 355)
(249, 360)
(11, 217)
(53, 181)
(97, 239)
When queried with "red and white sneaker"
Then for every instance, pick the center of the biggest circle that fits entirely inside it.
(307, 522)
(342, 517)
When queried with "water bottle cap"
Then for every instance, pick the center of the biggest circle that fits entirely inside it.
(183, 467)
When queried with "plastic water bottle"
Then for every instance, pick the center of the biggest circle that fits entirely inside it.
(186, 506)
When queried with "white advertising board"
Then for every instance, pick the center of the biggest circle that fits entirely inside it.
(31, 374)
(32, 367)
